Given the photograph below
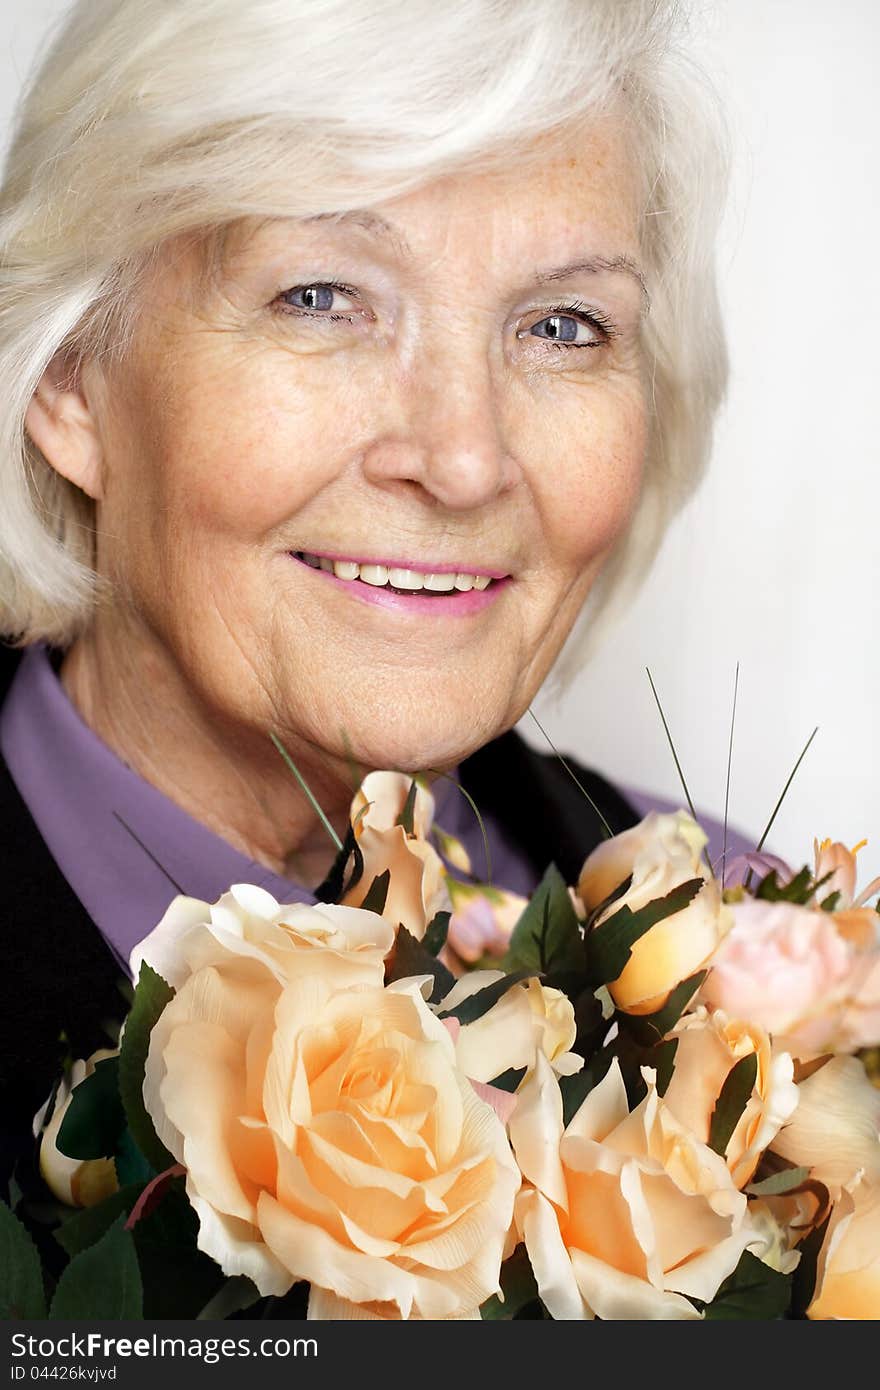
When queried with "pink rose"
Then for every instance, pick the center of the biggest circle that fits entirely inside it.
(810, 978)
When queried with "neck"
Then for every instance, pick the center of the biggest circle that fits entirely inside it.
(225, 773)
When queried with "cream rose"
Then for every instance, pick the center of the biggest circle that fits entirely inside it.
(660, 854)
(708, 1048)
(625, 1215)
(342, 943)
(528, 1018)
(811, 978)
(417, 891)
(330, 1135)
(848, 1268)
(656, 838)
(78, 1182)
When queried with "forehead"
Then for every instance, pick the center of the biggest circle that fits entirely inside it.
(579, 186)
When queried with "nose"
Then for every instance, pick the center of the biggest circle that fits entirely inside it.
(448, 438)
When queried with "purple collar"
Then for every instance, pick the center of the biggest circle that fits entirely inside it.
(124, 847)
(82, 797)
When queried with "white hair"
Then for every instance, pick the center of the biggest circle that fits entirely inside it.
(152, 119)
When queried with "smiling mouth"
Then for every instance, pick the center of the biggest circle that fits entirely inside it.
(401, 580)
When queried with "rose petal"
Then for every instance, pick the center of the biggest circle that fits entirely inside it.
(549, 1258)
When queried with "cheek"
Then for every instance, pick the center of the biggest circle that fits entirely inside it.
(238, 446)
(585, 470)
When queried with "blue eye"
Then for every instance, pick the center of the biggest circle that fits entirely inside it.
(557, 328)
(572, 325)
(315, 297)
(322, 300)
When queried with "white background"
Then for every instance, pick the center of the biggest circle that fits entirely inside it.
(776, 563)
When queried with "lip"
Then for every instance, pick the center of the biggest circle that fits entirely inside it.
(455, 604)
(421, 566)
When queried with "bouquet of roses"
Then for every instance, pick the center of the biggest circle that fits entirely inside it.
(644, 1095)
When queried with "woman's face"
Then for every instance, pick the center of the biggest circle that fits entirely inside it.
(446, 391)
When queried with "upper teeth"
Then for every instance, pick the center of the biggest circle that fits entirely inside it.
(379, 575)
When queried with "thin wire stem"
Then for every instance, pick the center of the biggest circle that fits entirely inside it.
(727, 786)
(768, 826)
(678, 767)
(607, 828)
(447, 776)
(313, 801)
(150, 855)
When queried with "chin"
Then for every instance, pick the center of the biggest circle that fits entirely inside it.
(411, 737)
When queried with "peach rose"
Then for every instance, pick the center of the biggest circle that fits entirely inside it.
(810, 978)
(78, 1182)
(418, 890)
(626, 1214)
(848, 1268)
(344, 943)
(708, 1049)
(834, 1131)
(330, 1135)
(660, 853)
(528, 1018)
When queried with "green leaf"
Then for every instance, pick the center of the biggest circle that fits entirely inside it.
(179, 1279)
(609, 946)
(475, 1005)
(86, 1227)
(804, 1279)
(601, 908)
(649, 1029)
(664, 1061)
(21, 1276)
(589, 1019)
(799, 889)
(409, 806)
(435, 937)
(150, 998)
(131, 1166)
(753, 1291)
(94, 1119)
(103, 1281)
(575, 1090)
(233, 1296)
(411, 958)
(547, 936)
(334, 888)
(377, 894)
(509, 1080)
(829, 904)
(517, 1285)
(738, 1086)
(778, 1183)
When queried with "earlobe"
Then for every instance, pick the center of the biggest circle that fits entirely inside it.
(60, 421)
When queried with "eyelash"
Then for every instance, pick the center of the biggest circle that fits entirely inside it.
(297, 312)
(593, 318)
(576, 309)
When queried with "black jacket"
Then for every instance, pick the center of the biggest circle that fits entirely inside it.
(60, 984)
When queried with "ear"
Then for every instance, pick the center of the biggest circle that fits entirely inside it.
(60, 420)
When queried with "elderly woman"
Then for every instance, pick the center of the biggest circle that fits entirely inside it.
(346, 350)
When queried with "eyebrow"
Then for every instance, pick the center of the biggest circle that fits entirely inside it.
(376, 225)
(370, 222)
(595, 265)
